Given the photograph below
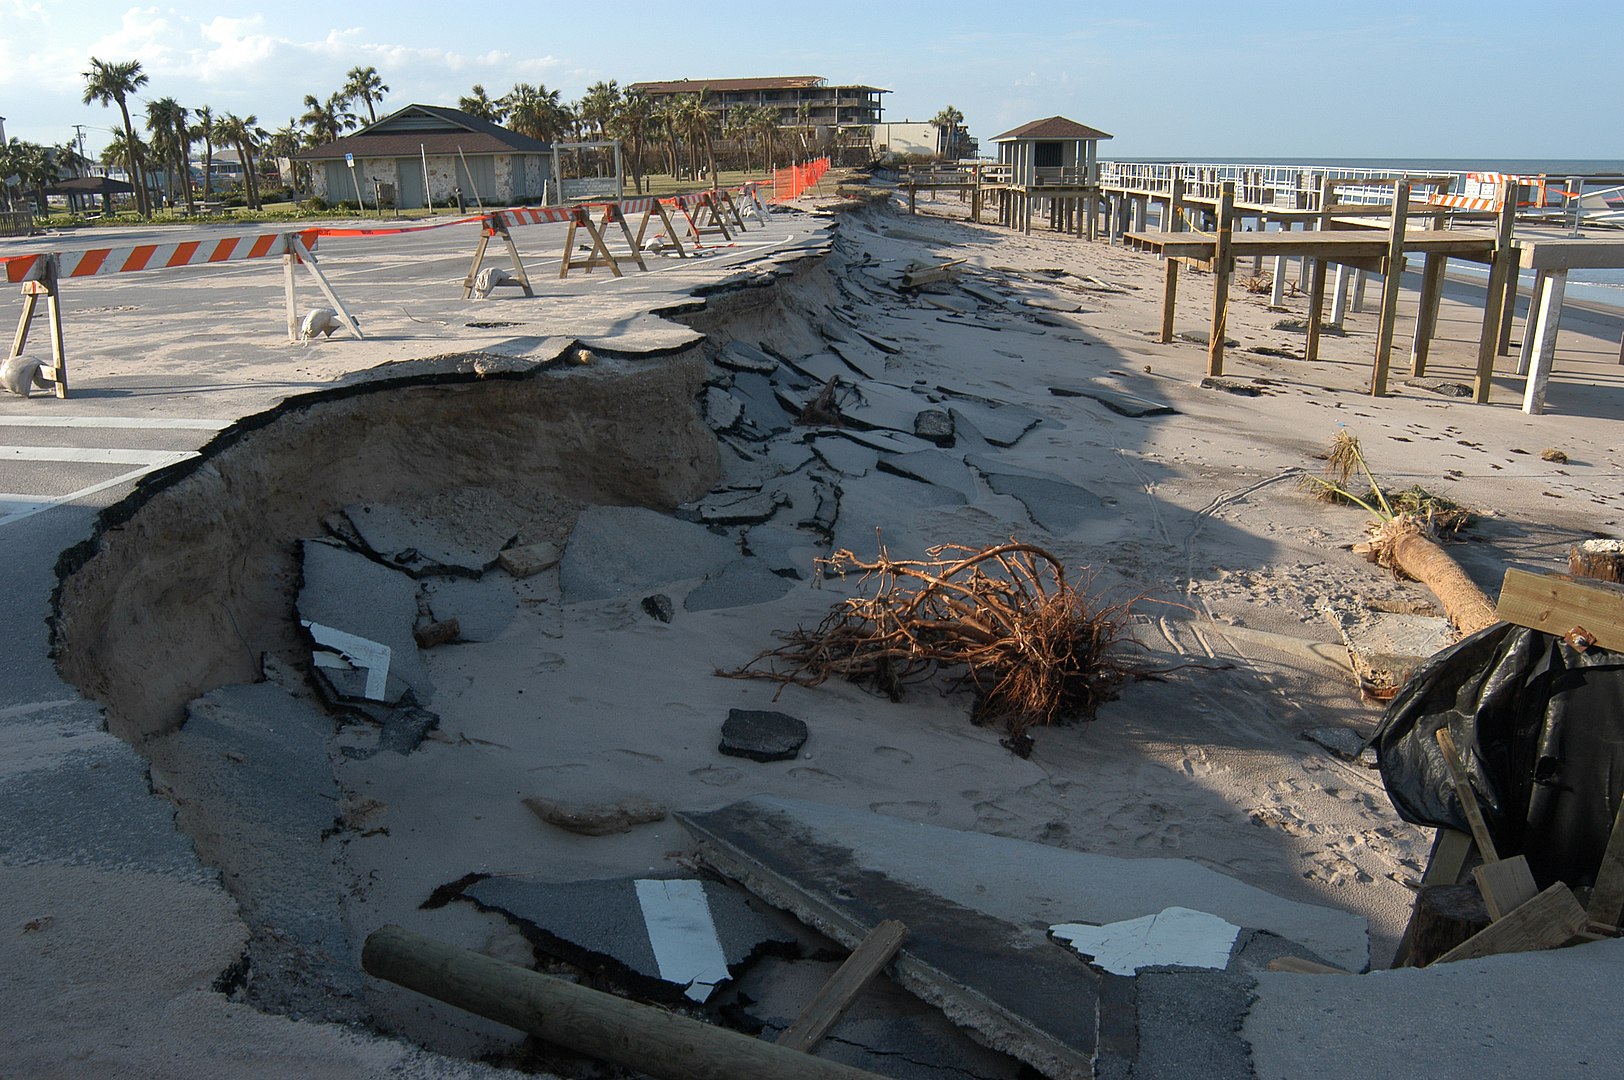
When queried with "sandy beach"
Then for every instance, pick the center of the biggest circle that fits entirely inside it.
(675, 435)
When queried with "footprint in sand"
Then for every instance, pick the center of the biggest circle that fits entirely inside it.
(566, 767)
(638, 754)
(717, 777)
(913, 809)
(893, 753)
(680, 708)
(817, 776)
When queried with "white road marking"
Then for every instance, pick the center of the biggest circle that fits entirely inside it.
(95, 455)
(359, 651)
(16, 507)
(157, 423)
(683, 935)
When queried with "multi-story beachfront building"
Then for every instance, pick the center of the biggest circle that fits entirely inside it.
(843, 115)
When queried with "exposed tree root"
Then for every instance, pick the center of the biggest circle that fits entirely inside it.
(1030, 647)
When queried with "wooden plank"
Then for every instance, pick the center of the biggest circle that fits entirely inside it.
(53, 305)
(649, 1040)
(1223, 264)
(1296, 965)
(836, 996)
(1390, 287)
(1607, 895)
(288, 291)
(1170, 293)
(1506, 885)
(1488, 344)
(1571, 254)
(1316, 310)
(1468, 798)
(1548, 920)
(1556, 603)
(1426, 322)
(1541, 352)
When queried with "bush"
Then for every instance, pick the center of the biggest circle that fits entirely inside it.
(234, 200)
(313, 205)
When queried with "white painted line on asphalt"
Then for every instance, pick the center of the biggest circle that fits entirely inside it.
(359, 651)
(13, 712)
(158, 423)
(683, 935)
(95, 455)
(16, 507)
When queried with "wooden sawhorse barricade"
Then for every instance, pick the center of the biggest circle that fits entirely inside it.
(300, 250)
(496, 225)
(45, 284)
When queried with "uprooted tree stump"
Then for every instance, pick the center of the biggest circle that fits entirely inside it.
(1003, 620)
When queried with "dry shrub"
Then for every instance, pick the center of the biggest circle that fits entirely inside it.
(1258, 284)
(1002, 621)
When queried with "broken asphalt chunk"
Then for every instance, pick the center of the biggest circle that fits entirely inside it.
(1118, 401)
(762, 735)
(662, 939)
(423, 545)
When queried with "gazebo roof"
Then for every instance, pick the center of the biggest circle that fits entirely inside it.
(90, 185)
(1053, 127)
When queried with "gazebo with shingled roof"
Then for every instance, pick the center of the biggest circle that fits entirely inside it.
(1050, 151)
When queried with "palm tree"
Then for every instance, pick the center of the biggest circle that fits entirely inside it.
(803, 117)
(364, 85)
(766, 129)
(240, 132)
(327, 120)
(481, 104)
(172, 142)
(668, 119)
(598, 106)
(949, 124)
(632, 121)
(204, 129)
(113, 83)
(532, 110)
(698, 124)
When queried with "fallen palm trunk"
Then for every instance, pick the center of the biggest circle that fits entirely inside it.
(1402, 544)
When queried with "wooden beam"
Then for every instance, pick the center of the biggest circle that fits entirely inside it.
(1467, 797)
(1316, 310)
(836, 996)
(640, 1037)
(1541, 351)
(1170, 292)
(1499, 270)
(1390, 286)
(1607, 895)
(1426, 322)
(1223, 264)
(1557, 604)
(1296, 965)
(1506, 885)
(1548, 920)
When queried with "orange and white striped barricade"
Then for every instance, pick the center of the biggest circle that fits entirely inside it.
(38, 277)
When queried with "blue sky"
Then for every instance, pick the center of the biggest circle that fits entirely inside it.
(1486, 80)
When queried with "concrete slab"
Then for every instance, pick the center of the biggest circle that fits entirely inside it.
(603, 927)
(615, 550)
(741, 356)
(785, 551)
(1118, 401)
(420, 545)
(845, 456)
(821, 367)
(999, 424)
(483, 608)
(1020, 994)
(884, 405)
(353, 594)
(1386, 647)
(943, 468)
(740, 583)
(1489, 1018)
(763, 415)
(1054, 504)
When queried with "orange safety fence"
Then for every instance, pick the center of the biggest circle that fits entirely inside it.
(790, 181)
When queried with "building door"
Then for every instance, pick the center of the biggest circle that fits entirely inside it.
(340, 188)
(409, 193)
(482, 170)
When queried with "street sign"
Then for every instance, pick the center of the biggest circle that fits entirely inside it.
(349, 160)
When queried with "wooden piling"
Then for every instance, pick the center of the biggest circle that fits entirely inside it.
(1499, 270)
(1222, 266)
(1394, 267)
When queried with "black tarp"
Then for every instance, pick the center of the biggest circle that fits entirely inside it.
(1541, 728)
